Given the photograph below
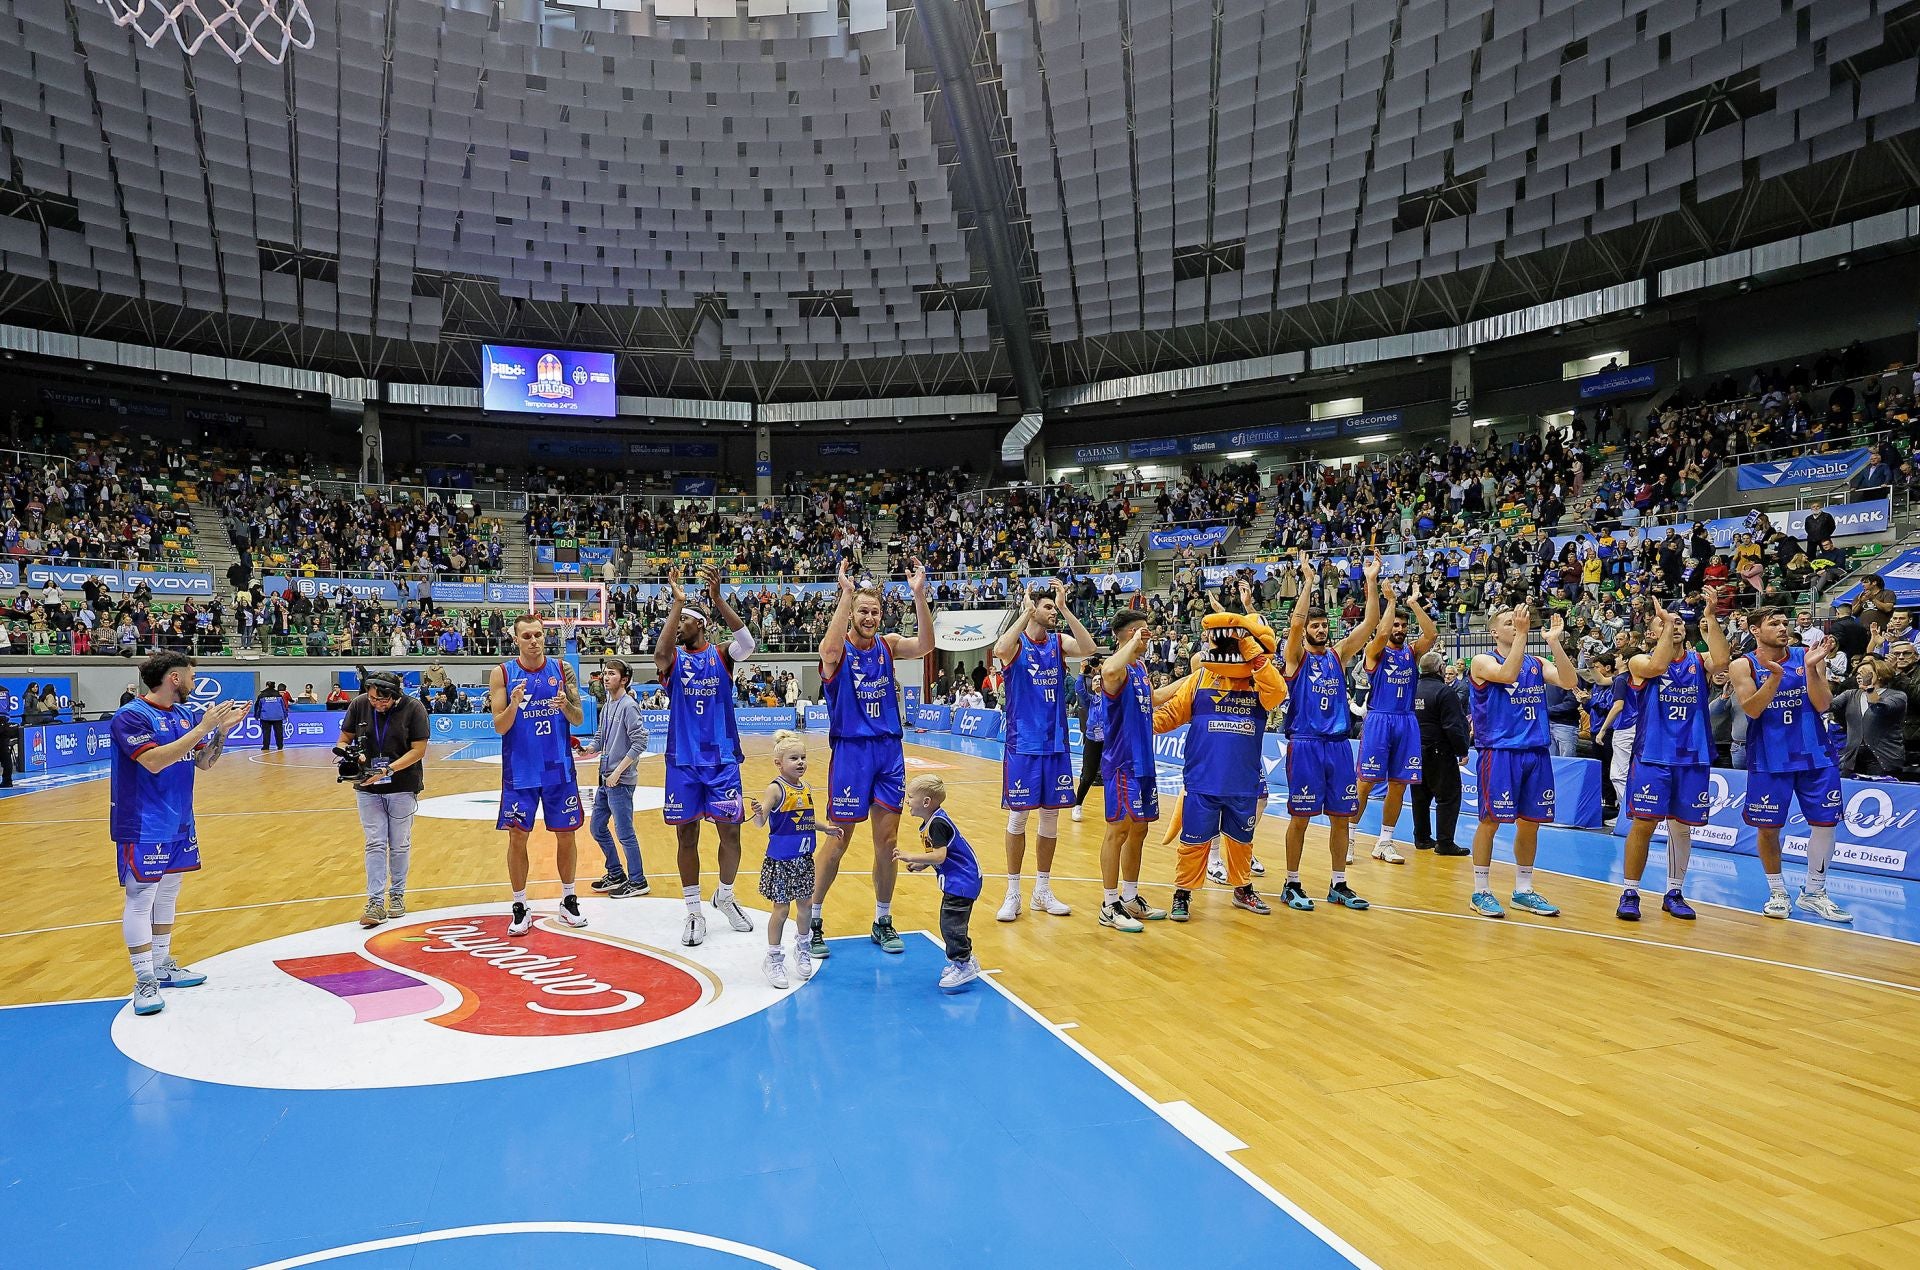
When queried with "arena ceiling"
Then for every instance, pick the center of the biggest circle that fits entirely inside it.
(784, 199)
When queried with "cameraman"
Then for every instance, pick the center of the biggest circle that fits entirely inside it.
(383, 741)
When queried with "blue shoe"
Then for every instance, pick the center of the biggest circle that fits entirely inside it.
(1676, 904)
(170, 974)
(1485, 905)
(1342, 894)
(146, 997)
(1296, 897)
(1629, 910)
(1535, 903)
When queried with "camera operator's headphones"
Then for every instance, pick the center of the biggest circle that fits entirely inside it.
(385, 684)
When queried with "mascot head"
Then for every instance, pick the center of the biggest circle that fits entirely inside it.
(1229, 641)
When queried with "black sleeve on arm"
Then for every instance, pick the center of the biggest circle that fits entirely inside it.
(940, 833)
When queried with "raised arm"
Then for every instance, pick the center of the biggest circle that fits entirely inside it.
(1819, 690)
(722, 609)
(663, 648)
(1653, 664)
(1377, 641)
(219, 719)
(1560, 669)
(571, 707)
(1178, 708)
(833, 645)
(1113, 671)
(923, 641)
(1719, 654)
(1295, 649)
(1080, 643)
(1007, 646)
(1429, 633)
(1488, 669)
(1357, 637)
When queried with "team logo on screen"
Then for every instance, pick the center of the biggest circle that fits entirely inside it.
(448, 995)
(549, 380)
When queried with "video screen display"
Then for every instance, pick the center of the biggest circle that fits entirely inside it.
(549, 381)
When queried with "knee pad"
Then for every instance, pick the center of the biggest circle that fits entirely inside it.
(166, 895)
(1016, 822)
(1049, 823)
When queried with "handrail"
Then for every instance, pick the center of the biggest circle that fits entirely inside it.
(64, 461)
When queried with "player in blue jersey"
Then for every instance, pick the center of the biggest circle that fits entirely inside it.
(1672, 752)
(1037, 774)
(1390, 734)
(159, 742)
(1509, 698)
(1785, 695)
(536, 703)
(1321, 779)
(703, 745)
(866, 768)
(1127, 772)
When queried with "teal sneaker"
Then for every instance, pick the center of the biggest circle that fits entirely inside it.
(1485, 905)
(884, 935)
(1342, 894)
(1535, 903)
(817, 940)
(1296, 897)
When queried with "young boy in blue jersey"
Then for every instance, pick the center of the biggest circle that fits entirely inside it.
(1390, 734)
(1128, 774)
(1509, 700)
(1321, 778)
(786, 875)
(159, 742)
(867, 766)
(536, 703)
(946, 851)
(1673, 752)
(1785, 695)
(703, 745)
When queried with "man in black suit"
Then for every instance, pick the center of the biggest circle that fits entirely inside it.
(1818, 527)
(1848, 632)
(1443, 743)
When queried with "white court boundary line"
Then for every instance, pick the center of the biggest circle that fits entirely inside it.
(1186, 1130)
(663, 1234)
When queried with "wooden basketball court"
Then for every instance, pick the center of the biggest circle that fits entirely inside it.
(1436, 1088)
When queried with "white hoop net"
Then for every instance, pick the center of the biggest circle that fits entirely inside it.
(268, 28)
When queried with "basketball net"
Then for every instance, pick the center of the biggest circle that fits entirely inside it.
(269, 28)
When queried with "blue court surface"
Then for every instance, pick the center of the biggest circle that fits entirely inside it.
(863, 1120)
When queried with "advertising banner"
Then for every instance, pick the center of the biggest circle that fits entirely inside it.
(13, 693)
(1878, 835)
(963, 630)
(1802, 469)
(210, 687)
(1619, 380)
(548, 381)
(377, 588)
(932, 718)
(980, 723)
(1171, 539)
(71, 577)
(67, 745)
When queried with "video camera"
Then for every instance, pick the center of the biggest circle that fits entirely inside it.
(350, 760)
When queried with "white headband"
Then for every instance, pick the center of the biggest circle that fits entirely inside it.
(689, 611)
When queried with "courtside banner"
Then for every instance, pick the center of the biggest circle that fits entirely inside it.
(932, 718)
(981, 723)
(461, 727)
(1802, 469)
(1878, 835)
(374, 588)
(67, 745)
(73, 577)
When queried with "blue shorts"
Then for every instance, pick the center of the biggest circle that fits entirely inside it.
(863, 772)
(1516, 785)
(1390, 748)
(1656, 791)
(1204, 817)
(1320, 777)
(150, 861)
(558, 805)
(1030, 782)
(705, 792)
(1768, 794)
(1130, 798)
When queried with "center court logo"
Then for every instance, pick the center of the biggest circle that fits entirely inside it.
(448, 997)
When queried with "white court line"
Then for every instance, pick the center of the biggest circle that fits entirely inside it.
(1186, 1130)
(1547, 926)
(746, 1252)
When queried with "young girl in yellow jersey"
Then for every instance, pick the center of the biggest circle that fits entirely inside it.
(786, 877)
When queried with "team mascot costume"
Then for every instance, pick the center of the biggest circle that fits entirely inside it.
(1234, 686)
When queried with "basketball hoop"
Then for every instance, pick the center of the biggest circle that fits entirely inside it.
(270, 28)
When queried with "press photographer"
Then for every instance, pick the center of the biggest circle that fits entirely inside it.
(383, 750)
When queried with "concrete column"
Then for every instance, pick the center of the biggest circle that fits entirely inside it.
(373, 451)
(763, 461)
(1460, 422)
